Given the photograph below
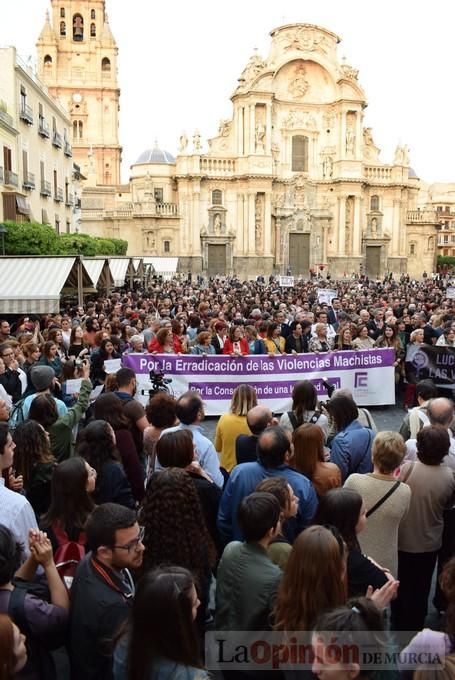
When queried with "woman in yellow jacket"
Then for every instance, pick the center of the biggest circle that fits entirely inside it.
(231, 424)
(274, 342)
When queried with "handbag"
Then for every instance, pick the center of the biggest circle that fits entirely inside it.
(383, 499)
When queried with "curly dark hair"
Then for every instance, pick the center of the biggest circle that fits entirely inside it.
(109, 407)
(160, 410)
(175, 527)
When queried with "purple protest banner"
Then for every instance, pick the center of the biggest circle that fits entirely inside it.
(369, 374)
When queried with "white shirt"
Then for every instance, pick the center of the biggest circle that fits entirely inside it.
(331, 332)
(411, 452)
(17, 515)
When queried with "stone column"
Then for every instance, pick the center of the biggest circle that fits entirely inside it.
(268, 137)
(341, 226)
(358, 135)
(252, 129)
(343, 134)
(277, 241)
(239, 130)
(267, 224)
(196, 230)
(240, 240)
(356, 232)
(251, 223)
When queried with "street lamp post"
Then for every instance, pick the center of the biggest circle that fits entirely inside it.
(3, 231)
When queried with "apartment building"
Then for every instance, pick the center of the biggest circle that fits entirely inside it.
(36, 164)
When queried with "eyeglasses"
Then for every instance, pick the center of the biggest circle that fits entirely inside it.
(134, 544)
(8, 354)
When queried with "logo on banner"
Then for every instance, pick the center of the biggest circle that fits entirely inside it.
(420, 359)
(361, 379)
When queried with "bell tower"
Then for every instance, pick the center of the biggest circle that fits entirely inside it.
(77, 59)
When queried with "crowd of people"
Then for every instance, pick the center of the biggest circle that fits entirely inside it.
(126, 533)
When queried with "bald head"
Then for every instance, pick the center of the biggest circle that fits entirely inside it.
(440, 412)
(258, 418)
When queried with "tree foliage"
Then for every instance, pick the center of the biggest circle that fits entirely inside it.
(41, 239)
(446, 261)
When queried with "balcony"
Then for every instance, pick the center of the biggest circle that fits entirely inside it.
(166, 209)
(217, 166)
(69, 200)
(382, 173)
(26, 114)
(57, 140)
(29, 180)
(68, 150)
(11, 178)
(1, 175)
(58, 195)
(421, 217)
(43, 128)
(45, 188)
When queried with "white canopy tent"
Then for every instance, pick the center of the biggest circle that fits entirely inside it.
(34, 284)
(163, 266)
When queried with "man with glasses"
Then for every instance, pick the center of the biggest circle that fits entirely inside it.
(103, 588)
(10, 378)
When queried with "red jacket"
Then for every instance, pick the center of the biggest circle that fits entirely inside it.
(229, 346)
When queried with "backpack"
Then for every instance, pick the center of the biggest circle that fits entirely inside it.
(16, 417)
(295, 423)
(68, 554)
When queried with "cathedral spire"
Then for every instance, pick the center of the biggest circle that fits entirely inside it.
(47, 34)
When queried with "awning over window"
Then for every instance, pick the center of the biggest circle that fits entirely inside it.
(22, 206)
(34, 284)
(164, 266)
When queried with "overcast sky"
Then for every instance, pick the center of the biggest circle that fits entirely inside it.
(179, 62)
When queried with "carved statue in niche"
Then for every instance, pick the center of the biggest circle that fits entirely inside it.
(224, 127)
(368, 137)
(183, 142)
(374, 226)
(258, 222)
(327, 167)
(278, 199)
(299, 85)
(196, 141)
(217, 224)
(150, 241)
(260, 136)
(350, 141)
(329, 119)
(349, 223)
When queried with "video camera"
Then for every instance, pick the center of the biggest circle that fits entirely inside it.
(159, 383)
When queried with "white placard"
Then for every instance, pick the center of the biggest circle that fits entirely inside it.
(112, 365)
(73, 386)
(326, 295)
(94, 394)
(450, 292)
(286, 281)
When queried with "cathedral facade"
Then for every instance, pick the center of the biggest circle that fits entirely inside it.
(292, 182)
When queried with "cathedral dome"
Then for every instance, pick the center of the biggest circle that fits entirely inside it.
(155, 155)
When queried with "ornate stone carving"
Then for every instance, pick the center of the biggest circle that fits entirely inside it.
(305, 39)
(254, 67)
(349, 72)
(224, 127)
(350, 134)
(278, 199)
(299, 86)
(260, 137)
(401, 155)
(300, 119)
(197, 142)
(368, 137)
(183, 142)
(327, 167)
(259, 221)
(329, 118)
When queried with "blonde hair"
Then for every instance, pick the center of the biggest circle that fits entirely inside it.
(243, 399)
(388, 451)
